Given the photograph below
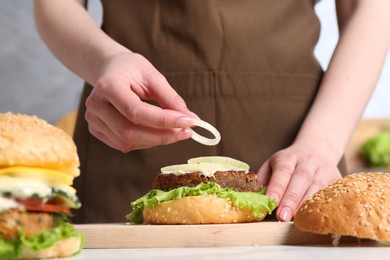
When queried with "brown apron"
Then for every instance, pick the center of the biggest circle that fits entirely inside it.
(247, 67)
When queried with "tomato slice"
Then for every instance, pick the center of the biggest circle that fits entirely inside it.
(36, 204)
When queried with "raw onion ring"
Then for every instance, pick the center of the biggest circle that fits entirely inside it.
(204, 140)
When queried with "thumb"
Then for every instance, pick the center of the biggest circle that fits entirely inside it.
(163, 93)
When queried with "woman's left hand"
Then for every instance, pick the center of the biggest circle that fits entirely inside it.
(295, 173)
(310, 163)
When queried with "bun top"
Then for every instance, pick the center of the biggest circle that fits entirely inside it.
(357, 205)
(32, 142)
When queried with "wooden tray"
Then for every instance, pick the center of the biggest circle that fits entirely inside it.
(218, 235)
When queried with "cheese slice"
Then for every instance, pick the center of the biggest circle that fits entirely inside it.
(75, 172)
(53, 177)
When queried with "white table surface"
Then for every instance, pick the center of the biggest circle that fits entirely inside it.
(345, 252)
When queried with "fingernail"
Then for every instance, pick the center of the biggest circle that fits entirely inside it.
(185, 134)
(184, 122)
(285, 214)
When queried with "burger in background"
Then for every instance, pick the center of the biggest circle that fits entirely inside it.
(38, 163)
(206, 190)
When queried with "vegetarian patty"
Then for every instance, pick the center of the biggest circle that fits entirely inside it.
(31, 222)
(237, 180)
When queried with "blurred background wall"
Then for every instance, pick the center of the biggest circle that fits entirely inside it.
(32, 81)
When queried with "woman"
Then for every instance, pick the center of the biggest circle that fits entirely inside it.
(246, 67)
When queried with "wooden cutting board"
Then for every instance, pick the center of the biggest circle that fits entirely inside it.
(217, 235)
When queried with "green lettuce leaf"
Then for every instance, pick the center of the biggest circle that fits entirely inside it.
(8, 249)
(11, 249)
(377, 150)
(257, 202)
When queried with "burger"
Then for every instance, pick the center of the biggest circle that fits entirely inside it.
(38, 163)
(357, 205)
(206, 190)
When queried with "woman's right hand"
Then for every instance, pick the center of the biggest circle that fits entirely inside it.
(122, 80)
(117, 114)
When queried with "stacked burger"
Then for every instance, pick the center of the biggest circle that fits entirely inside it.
(206, 190)
(38, 163)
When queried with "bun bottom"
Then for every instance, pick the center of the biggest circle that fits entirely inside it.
(63, 248)
(204, 209)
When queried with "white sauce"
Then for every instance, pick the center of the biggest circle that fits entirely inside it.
(206, 173)
(65, 188)
(6, 204)
(24, 187)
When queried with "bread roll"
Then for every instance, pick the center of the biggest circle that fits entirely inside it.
(357, 205)
(29, 141)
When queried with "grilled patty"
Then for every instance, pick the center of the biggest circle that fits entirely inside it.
(14, 220)
(237, 180)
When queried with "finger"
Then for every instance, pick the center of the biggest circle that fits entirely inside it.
(102, 137)
(138, 135)
(114, 120)
(102, 120)
(264, 174)
(139, 112)
(300, 182)
(146, 114)
(282, 170)
(145, 137)
(162, 92)
(102, 132)
(319, 182)
(310, 191)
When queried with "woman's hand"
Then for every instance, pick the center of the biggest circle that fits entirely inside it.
(116, 111)
(295, 173)
(310, 162)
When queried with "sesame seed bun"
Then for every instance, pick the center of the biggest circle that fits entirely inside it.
(204, 209)
(357, 205)
(29, 141)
